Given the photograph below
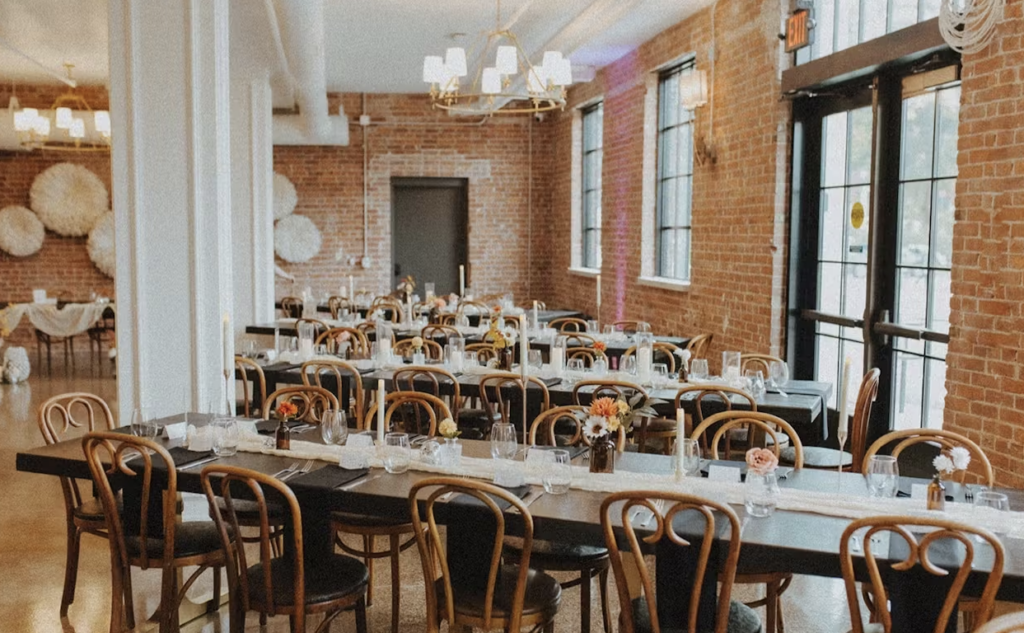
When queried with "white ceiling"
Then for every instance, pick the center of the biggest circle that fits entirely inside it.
(371, 46)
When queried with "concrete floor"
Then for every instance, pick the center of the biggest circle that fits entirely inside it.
(32, 548)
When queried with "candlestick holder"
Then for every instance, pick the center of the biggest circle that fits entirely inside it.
(227, 390)
(839, 469)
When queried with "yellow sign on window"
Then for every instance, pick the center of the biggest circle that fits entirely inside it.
(857, 215)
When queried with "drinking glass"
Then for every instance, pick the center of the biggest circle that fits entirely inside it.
(142, 423)
(731, 365)
(660, 373)
(225, 439)
(778, 374)
(557, 476)
(574, 370)
(689, 454)
(249, 348)
(534, 359)
(608, 331)
(699, 369)
(994, 500)
(397, 453)
(503, 440)
(593, 326)
(471, 359)
(883, 476)
(755, 383)
(334, 427)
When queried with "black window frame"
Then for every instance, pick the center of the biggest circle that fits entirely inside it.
(590, 184)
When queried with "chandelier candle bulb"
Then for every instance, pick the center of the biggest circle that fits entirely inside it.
(491, 81)
(380, 411)
(101, 121)
(455, 61)
(62, 120)
(507, 61)
(77, 128)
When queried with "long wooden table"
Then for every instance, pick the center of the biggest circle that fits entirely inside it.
(796, 542)
(545, 316)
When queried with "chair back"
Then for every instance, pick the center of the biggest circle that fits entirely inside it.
(623, 505)
(717, 393)
(606, 389)
(417, 411)
(699, 346)
(757, 424)
(447, 319)
(405, 379)
(312, 376)
(359, 346)
(935, 530)
(291, 307)
(319, 327)
(440, 334)
(758, 362)
(368, 327)
(423, 496)
(663, 353)
(862, 417)
(132, 459)
(76, 411)
(586, 354)
(431, 349)
(336, 304)
(570, 416)
(632, 326)
(980, 466)
(1009, 623)
(254, 386)
(578, 339)
(540, 304)
(498, 392)
(474, 307)
(388, 304)
(310, 401)
(568, 324)
(484, 351)
(231, 483)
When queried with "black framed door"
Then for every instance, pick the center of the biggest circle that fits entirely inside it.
(429, 225)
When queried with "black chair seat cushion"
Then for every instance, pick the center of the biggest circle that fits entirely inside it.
(331, 578)
(92, 510)
(661, 425)
(190, 539)
(248, 512)
(362, 520)
(817, 457)
(556, 556)
(742, 619)
(543, 594)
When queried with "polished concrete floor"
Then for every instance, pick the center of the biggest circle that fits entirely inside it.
(32, 548)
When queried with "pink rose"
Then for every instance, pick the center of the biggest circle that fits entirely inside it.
(761, 461)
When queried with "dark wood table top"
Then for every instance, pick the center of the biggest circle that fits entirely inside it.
(288, 329)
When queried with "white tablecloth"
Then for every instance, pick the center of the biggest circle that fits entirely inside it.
(72, 320)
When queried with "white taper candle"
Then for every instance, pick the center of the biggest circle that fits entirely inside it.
(380, 411)
(462, 280)
(680, 436)
(524, 345)
(844, 422)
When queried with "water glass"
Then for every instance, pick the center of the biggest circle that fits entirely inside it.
(334, 427)
(471, 359)
(503, 441)
(699, 369)
(608, 331)
(142, 423)
(534, 359)
(731, 365)
(225, 438)
(778, 374)
(397, 453)
(755, 383)
(249, 348)
(593, 326)
(574, 370)
(628, 365)
(689, 456)
(883, 475)
(995, 500)
(660, 374)
(557, 476)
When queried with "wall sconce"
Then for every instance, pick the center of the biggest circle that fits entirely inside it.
(693, 94)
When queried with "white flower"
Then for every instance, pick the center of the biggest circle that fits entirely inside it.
(296, 239)
(943, 464)
(595, 426)
(69, 199)
(447, 428)
(961, 457)
(21, 231)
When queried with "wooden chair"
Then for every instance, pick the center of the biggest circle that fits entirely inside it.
(276, 584)
(312, 375)
(358, 345)
(499, 391)
(632, 327)
(473, 307)
(369, 327)
(757, 425)
(311, 402)
(291, 307)
(937, 530)
(831, 458)
(585, 353)
(405, 379)
(484, 351)
(337, 304)
(432, 350)
(567, 416)
(663, 353)
(170, 547)
(720, 394)
(319, 327)
(699, 346)
(103, 331)
(441, 334)
(57, 416)
(391, 307)
(394, 528)
(758, 362)
(399, 403)
(1009, 623)
(629, 553)
(578, 339)
(568, 324)
(944, 440)
(513, 595)
(540, 304)
(447, 319)
(254, 387)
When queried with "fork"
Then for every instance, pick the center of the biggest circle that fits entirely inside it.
(306, 467)
(968, 494)
(284, 473)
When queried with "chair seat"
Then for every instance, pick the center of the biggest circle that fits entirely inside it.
(248, 512)
(742, 619)
(543, 594)
(817, 457)
(661, 425)
(332, 578)
(90, 510)
(557, 556)
(193, 538)
(362, 520)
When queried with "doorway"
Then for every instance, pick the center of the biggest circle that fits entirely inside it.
(429, 221)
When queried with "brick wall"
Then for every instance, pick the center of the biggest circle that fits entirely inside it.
(739, 204)
(62, 266)
(985, 380)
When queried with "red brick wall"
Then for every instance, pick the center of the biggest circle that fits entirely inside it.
(62, 266)
(739, 203)
(985, 380)
(407, 138)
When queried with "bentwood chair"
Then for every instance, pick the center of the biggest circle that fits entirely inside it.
(279, 584)
(1009, 623)
(699, 346)
(498, 392)
(578, 339)
(852, 460)
(484, 351)
(758, 362)
(441, 334)
(630, 553)
(57, 416)
(46, 340)
(540, 304)
(394, 528)
(319, 327)
(314, 371)
(908, 572)
(170, 546)
(369, 327)
(586, 354)
(568, 324)
(335, 338)
(770, 429)
(391, 307)
(310, 401)
(473, 308)
(511, 595)
(337, 305)
(254, 386)
(447, 319)
(632, 327)
(663, 353)
(431, 379)
(291, 307)
(432, 350)
(980, 466)
(707, 396)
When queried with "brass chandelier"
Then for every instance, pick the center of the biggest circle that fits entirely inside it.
(63, 126)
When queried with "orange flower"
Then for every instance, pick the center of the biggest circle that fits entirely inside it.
(600, 347)
(604, 407)
(286, 410)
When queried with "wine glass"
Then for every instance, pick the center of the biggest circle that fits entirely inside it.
(334, 427)
(778, 374)
(755, 383)
(628, 365)
(503, 440)
(225, 441)
(142, 423)
(574, 370)
(989, 499)
(534, 359)
(883, 476)
(397, 452)
(689, 454)
(659, 372)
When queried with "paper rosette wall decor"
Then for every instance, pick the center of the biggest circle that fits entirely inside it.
(101, 244)
(69, 199)
(285, 197)
(296, 239)
(21, 231)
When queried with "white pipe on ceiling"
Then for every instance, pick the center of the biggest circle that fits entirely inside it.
(301, 27)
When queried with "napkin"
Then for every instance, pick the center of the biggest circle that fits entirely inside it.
(328, 477)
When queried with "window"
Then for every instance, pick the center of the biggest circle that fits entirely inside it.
(593, 143)
(675, 177)
(840, 24)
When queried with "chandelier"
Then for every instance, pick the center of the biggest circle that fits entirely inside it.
(63, 126)
(495, 89)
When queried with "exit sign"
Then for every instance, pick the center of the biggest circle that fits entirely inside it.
(798, 30)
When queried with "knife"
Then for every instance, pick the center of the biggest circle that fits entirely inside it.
(200, 462)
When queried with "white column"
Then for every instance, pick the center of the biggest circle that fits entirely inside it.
(169, 94)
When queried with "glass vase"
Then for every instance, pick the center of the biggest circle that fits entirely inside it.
(451, 453)
(505, 359)
(761, 495)
(602, 455)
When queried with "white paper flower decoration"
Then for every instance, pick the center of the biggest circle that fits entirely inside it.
(15, 367)
(21, 231)
(101, 244)
(296, 239)
(69, 199)
(285, 197)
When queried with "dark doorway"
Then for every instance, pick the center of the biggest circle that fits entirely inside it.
(429, 217)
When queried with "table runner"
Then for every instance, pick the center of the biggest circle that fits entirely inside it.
(72, 320)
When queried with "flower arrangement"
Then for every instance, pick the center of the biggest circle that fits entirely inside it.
(448, 429)
(958, 458)
(286, 411)
(375, 315)
(607, 415)
(440, 303)
(417, 344)
(341, 337)
(407, 285)
(600, 347)
(500, 338)
(761, 461)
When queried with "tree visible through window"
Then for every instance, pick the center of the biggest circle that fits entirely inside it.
(675, 177)
(593, 142)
